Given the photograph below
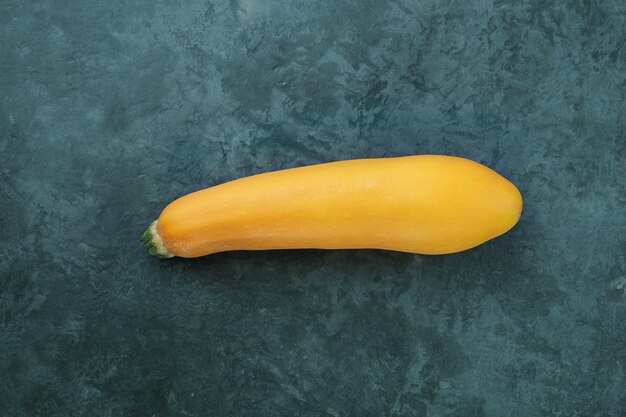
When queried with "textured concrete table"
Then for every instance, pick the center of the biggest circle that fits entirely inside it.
(110, 109)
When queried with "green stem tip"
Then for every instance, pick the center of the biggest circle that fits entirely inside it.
(153, 242)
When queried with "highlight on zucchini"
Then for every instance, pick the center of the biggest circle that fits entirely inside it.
(426, 204)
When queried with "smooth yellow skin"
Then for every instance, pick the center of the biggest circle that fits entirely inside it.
(426, 204)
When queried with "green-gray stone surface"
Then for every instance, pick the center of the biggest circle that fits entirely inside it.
(109, 110)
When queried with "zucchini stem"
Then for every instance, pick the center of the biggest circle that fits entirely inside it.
(154, 243)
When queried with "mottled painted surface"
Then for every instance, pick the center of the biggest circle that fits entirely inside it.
(110, 110)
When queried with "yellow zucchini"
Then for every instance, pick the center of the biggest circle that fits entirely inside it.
(427, 204)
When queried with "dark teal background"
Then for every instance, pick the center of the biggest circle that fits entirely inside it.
(109, 110)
